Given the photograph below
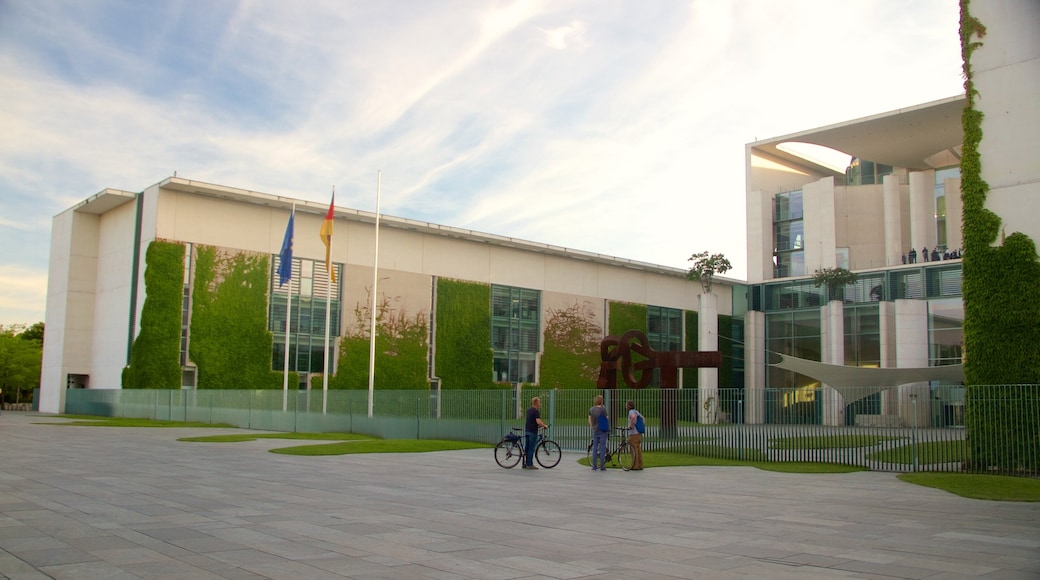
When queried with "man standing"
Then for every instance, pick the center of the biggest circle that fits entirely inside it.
(636, 426)
(531, 425)
(597, 416)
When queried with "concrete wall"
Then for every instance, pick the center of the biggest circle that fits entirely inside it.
(1007, 77)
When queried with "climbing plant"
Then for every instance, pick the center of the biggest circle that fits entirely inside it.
(401, 349)
(625, 316)
(463, 321)
(1001, 289)
(571, 348)
(229, 341)
(155, 353)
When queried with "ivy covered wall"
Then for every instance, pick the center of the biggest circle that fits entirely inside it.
(155, 353)
(229, 340)
(625, 316)
(463, 320)
(401, 349)
(1001, 289)
(570, 358)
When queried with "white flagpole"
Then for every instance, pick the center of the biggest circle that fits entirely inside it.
(288, 323)
(372, 309)
(328, 325)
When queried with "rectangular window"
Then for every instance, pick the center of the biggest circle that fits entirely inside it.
(308, 288)
(515, 333)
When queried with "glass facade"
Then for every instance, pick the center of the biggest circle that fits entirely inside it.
(793, 327)
(515, 333)
(941, 175)
(788, 235)
(309, 286)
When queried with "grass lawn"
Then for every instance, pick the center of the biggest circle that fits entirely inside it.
(987, 487)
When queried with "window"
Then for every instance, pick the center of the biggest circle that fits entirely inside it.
(515, 333)
(308, 288)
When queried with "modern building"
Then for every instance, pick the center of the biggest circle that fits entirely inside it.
(182, 258)
(895, 194)
(890, 212)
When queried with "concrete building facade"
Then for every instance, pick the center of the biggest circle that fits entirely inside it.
(97, 276)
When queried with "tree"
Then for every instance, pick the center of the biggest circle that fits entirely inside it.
(20, 362)
(835, 279)
(705, 267)
(34, 332)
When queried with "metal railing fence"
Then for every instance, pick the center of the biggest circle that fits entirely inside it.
(991, 429)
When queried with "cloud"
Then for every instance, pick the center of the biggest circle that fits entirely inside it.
(615, 128)
(23, 294)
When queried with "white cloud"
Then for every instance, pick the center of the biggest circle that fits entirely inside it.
(481, 116)
(23, 294)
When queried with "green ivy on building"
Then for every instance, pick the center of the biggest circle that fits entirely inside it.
(401, 351)
(229, 340)
(571, 349)
(155, 353)
(463, 321)
(1001, 307)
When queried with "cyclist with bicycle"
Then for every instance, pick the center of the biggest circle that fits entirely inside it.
(531, 425)
(635, 436)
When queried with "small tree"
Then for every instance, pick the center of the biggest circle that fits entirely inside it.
(705, 267)
(835, 279)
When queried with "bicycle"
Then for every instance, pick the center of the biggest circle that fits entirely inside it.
(512, 448)
(622, 455)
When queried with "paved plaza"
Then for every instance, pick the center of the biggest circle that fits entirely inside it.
(118, 503)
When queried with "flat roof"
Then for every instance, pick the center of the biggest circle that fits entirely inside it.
(286, 203)
(905, 137)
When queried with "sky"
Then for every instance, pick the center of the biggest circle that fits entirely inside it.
(609, 126)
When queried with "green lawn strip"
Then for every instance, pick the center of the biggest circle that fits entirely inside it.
(380, 446)
(829, 442)
(927, 453)
(298, 436)
(977, 486)
(668, 459)
(93, 421)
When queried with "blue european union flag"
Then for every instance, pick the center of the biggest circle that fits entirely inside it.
(285, 258)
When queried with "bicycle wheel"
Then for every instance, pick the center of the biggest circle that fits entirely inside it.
(548, 454)
(508, 453)
(625, 456)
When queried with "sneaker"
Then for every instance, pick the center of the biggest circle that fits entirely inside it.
(530, 467)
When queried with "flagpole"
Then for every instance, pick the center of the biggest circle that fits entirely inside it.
(288, 324)
(372, 309)
(328, 311)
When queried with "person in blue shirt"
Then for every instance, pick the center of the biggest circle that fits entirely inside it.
(599, 437)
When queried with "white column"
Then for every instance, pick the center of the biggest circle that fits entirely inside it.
(894, 247)
(912, 348)
(754, 366)
(832, 327)
(818, 221)
(922, 211)
(759, 236)
(708, 339)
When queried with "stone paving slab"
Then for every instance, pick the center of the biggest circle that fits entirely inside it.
(109, 503)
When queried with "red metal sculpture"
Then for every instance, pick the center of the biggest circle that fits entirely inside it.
(632, 356)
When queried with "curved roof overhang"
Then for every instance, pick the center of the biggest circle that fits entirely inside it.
(917, 138)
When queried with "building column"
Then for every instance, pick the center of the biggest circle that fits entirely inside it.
(922, 211)
(832, 327)
(708, 340)
(912, 348)
(754, 367)
(895, 249)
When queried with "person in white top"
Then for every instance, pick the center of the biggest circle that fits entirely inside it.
(635, 438)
